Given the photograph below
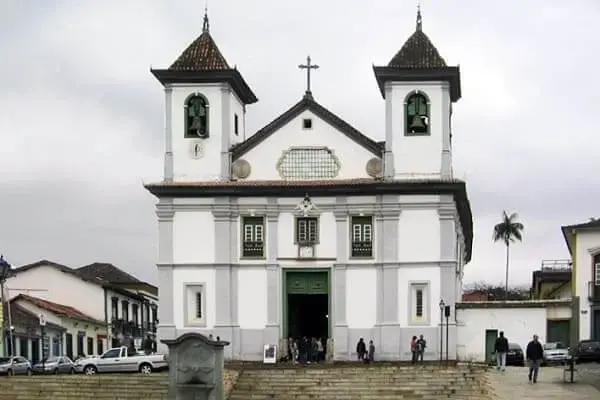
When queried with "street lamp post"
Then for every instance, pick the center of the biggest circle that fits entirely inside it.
(4, 273)
(442, 305)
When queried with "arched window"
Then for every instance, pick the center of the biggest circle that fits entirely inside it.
(196, 116)
(416, 111)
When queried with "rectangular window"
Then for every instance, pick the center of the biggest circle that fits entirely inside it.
(236, 124)
(135, 314)
(307, 123)
(307, 231)
(90, 346)
(419, 304)
(597, 274)
(195, 306)
(99, 346)
(253, 237)
(125, 310)
(114, 303)
(362, 236)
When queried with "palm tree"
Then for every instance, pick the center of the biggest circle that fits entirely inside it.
(507, 231)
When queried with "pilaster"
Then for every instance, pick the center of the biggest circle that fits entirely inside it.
(342, 233)
(340, 325)
(388, 160)
(226, 117)
(166, 215)
(168, 167)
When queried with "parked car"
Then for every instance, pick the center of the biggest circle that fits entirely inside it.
(515, 355)
(587, 350)
(121, 359)
(15, 365)
(55, 365)
(555, 353)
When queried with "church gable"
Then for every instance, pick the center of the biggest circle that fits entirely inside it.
(307, 142)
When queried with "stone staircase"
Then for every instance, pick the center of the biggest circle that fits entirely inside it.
(101, 387)
(362, 382)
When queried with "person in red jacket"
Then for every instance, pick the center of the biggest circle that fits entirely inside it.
(534, 354)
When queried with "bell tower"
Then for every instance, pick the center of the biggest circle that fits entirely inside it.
(205, 107)
(419, 89)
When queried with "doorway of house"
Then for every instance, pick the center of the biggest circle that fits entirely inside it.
(307, 305)
(490, 342)
(596, 325)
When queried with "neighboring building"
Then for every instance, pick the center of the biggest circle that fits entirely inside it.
(68, 331)
(552, 281)
(309, 227)
(475, 296)
(583, 241)
(126, 305)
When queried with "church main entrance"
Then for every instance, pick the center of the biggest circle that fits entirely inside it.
(306, 303)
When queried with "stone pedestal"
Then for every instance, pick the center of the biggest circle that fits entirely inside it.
(195, 367)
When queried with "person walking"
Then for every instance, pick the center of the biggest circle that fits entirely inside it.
(534, 354)
(501, 348)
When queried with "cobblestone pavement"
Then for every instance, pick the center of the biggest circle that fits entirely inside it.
(513, 384)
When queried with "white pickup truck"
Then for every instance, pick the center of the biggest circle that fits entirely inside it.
(120, 359)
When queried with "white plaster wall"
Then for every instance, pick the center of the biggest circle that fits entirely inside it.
(327, 235)
(237, 108)
(411, 275)
(193, 237)
(263, 158)
(419, 155)
(519, 326)
(191, 275)
(252, 298)
(361, 297)
(185, 167)
(86, 297)
(419, 235)
(587, 242)
(562, 312)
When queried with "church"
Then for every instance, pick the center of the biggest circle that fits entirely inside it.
(309, 227)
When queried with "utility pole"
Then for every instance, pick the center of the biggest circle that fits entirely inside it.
(42, 329)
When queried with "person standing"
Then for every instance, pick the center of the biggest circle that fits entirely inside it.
(414, 349)
(361, 349)
(534, 354)
(421, 345)
(501, 348)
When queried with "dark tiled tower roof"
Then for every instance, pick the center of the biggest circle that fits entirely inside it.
(417, 61)
(202, 55)
(418, 51)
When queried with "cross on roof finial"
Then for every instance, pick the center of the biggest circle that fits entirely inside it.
(308, 66)
(419, 18)
(205, 25)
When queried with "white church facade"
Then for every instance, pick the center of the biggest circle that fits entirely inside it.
(309, 227)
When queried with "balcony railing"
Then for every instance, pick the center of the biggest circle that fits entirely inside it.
(556, 265)
(593, 291)
(253, 249)
(362, 249)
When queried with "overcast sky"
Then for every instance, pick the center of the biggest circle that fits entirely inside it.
(81, 117)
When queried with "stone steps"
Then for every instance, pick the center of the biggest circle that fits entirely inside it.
(376, 382)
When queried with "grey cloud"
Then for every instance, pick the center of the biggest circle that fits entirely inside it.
(524, 132)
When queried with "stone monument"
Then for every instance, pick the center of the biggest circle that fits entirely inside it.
(195, 367)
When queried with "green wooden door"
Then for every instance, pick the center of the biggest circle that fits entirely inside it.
(490, 342)
(558, 331)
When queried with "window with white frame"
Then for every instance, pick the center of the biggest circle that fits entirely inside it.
(419, 304)
(362, 236)
(597, 274)
(195, 306)
(253, 237)
(307, 231)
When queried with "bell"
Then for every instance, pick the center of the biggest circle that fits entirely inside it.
(196, 124)
(417, 124)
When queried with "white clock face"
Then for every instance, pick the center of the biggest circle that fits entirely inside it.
(306, 252)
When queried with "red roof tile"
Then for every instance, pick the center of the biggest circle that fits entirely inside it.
(58, 309)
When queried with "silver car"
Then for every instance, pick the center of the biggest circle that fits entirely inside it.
(555, 353)
(15, 365)
(55, 365)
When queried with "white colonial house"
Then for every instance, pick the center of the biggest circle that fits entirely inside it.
(309, 227)
(101, 291)
(583, 241)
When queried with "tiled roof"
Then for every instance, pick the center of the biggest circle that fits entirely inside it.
(21, 317)
(418, 52)
(202, 55)
(58, 309)
(106, 272)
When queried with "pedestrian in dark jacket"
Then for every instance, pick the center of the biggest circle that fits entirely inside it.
(534, 354)
(361, 349)
(501, 348)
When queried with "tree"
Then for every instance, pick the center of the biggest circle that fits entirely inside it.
(507, 231)
(496, 292)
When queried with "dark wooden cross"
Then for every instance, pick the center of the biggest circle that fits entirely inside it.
(308, 66)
